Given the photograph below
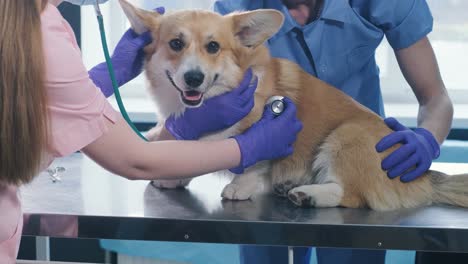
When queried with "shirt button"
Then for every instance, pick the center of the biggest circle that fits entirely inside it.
(323, 68)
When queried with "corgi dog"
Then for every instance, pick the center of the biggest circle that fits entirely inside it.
(334, 161)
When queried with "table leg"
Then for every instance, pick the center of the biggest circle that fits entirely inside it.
(42, 248)
(290, 255)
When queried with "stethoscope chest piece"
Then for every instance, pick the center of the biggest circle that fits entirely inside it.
(276, 104)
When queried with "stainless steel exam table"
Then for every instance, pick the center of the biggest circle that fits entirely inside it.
(98, 204)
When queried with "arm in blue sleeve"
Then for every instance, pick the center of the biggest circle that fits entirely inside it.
(404, 22)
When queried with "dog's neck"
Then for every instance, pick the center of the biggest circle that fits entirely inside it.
(259, 59)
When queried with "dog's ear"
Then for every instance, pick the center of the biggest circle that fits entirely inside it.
(253, 28)
(140, 20)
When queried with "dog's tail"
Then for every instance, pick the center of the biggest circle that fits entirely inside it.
(449, 189)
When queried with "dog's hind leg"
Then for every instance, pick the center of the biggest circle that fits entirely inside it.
(327, 189)
(289, 173)
(317, 195)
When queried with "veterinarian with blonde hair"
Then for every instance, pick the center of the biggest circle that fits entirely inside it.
(50, 107)
(336, 42)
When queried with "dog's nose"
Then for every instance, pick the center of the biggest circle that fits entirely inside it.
(194, 78)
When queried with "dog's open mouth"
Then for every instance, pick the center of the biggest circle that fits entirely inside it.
(191, 98)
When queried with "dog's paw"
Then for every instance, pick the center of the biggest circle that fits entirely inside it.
(234, 191)
(282, 189)
(301, 198)
(170, 184)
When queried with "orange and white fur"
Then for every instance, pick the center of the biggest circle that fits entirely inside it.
(334, 162)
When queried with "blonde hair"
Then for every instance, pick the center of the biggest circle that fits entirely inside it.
(23, 105)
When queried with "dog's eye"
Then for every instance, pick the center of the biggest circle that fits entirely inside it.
(212, 47)
(176, 44)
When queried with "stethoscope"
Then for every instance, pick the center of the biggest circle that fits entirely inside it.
(110, 68)
(276, 102)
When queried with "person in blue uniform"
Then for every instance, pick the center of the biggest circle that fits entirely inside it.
(336, 40)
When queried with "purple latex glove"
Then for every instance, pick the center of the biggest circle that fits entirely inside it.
(127, 60)
(272, 137)
(216, 113)
(414, 157)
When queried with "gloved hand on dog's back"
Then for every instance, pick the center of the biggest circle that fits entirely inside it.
(414, 157)
(215, 113)
(272, 137)
(127, 60)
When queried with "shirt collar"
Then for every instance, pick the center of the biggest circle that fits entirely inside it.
(336, 10)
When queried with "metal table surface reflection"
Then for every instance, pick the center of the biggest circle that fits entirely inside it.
(97, 204)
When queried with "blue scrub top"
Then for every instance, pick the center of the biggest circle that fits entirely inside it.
(339, 47)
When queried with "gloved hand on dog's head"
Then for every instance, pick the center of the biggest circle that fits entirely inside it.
(414, 157)
(216, 113)
(272, 137)
(127, 60)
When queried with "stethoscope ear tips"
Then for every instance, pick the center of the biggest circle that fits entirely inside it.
(276, 104)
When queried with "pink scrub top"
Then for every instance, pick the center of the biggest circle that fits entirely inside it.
(77, 116)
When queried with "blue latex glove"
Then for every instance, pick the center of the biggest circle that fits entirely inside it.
(216, 113)
(414, 157)
(272, 137)
(127, 60)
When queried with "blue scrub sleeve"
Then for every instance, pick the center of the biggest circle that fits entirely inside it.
(416, 25)
(404, 22)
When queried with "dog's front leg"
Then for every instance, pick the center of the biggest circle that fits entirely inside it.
(245, 185)
(171, 184)
(155, 134)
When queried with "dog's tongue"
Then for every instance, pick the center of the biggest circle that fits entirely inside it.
(192, 95)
